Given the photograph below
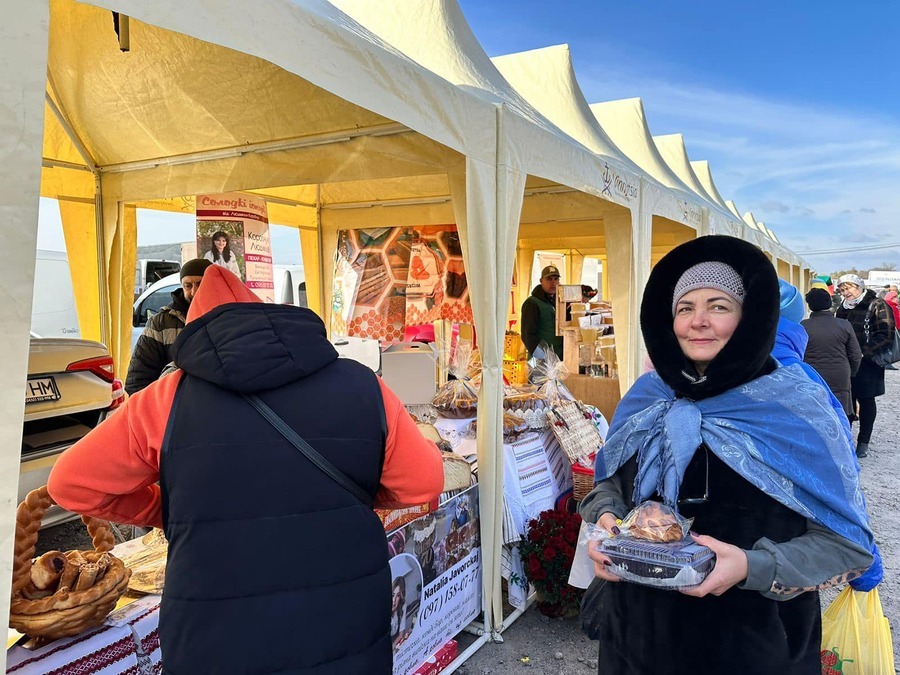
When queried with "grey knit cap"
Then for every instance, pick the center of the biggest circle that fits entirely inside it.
(710, 274)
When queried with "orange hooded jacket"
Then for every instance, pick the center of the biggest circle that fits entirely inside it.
(112, 473)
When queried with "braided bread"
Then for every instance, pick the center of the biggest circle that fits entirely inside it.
(62, 594)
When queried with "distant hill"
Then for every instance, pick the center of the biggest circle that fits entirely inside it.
(160, 251)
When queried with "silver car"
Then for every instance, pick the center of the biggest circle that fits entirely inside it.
(71, 388)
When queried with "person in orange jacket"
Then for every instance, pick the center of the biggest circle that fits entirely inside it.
(264, 547)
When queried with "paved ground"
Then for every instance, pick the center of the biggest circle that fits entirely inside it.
(541, 647)
(536, 645)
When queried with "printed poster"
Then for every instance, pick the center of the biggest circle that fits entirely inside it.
(233, 232)
(386, 279)
(435, 579)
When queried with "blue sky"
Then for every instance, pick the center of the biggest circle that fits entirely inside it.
(793, 103)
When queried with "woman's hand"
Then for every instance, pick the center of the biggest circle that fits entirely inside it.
(601, 563)
(730, 569)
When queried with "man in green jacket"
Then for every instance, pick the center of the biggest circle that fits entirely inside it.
(539, 314)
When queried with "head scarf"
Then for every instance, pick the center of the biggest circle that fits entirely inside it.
(850, 303)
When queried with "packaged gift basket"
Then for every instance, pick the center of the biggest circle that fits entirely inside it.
(459, 397)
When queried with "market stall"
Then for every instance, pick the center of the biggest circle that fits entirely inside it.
(101, 179)
(146, 105)
(565, 181)
(106, 161)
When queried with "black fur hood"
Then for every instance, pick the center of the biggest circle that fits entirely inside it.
(747, 354)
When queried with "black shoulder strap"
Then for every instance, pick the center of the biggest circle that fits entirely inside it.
(294, 438)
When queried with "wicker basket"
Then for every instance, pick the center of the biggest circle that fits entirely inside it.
(582, 481)
(66, 612)
(574, 429)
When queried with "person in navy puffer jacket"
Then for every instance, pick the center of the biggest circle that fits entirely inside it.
(273, 566)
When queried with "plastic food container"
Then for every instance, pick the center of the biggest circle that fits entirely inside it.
(681, 564)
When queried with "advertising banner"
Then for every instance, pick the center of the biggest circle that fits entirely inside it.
(387, 279)
(233, 232)
(435, 579)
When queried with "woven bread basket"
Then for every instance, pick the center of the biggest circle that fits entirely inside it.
(582, 481)
(457, 473)
(65, 612)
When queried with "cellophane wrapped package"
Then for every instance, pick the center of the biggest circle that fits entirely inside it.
(654, 548)
(459, 398)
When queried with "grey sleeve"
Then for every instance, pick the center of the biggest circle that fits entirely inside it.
(606, 497)
(817, 559)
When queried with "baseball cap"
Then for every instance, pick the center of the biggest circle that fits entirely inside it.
(549, 271)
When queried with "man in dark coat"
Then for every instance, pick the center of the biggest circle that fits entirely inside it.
(833, 349)
(154, 349)
(539, 314)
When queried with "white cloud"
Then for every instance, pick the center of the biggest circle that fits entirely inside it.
(814, 173)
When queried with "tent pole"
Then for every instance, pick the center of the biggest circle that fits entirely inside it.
(260, 148)
(320, 243)
(100, 235)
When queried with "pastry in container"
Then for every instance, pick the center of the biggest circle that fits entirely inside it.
(674, 565)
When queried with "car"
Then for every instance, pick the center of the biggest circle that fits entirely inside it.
(71, 388)
(289, 289)
(154, 298)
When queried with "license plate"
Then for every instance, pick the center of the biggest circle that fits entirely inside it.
(39, 389)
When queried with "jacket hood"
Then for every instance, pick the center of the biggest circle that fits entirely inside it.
(790, 342)
(241, 344)
(179, 302)
(747, 354)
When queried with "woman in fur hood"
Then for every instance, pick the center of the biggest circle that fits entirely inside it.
(753, 452)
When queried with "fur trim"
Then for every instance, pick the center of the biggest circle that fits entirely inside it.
(747, 354)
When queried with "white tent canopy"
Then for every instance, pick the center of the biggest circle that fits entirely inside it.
(627, 126)
(704, 175)
(173, 117)
(674, 152)
(541, 161)
(339, 123)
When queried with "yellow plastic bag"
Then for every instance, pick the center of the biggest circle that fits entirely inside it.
(856, 636)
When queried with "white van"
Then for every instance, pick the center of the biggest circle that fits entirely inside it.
(53, 313)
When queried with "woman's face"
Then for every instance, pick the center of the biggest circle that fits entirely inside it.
(396, 598)
(704, 322)
(220, 243)
(849, 291)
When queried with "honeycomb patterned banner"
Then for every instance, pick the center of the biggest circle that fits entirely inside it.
(386, 279)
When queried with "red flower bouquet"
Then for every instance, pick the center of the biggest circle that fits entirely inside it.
(547, 552)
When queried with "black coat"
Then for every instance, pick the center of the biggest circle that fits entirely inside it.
(833, 351)
(645, 630)
(273, 567)
(869, 380)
